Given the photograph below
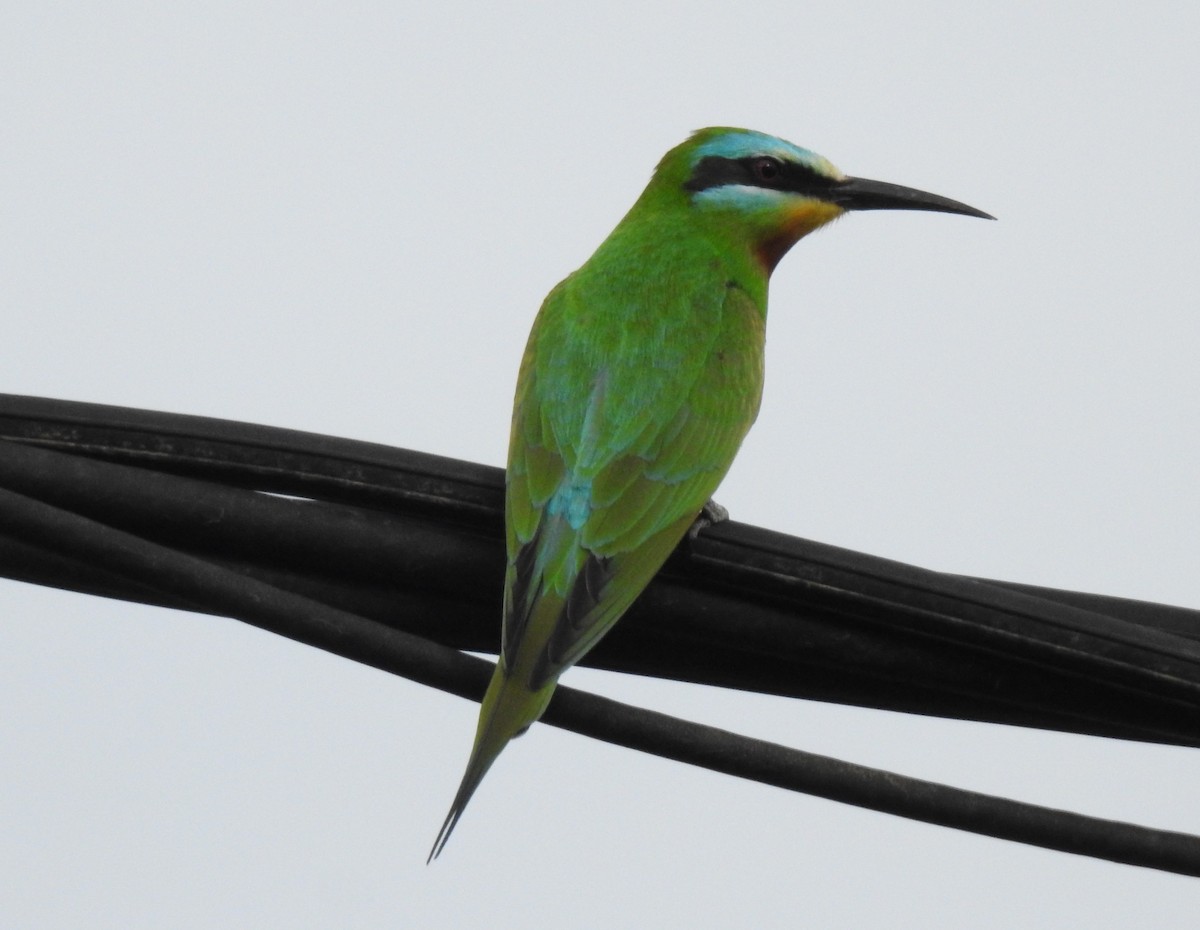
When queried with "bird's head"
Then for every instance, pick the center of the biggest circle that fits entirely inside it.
(769, 193)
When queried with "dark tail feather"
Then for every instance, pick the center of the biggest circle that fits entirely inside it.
(508, 710)
(476, 769)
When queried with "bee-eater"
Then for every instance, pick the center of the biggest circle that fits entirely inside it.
(641, 376)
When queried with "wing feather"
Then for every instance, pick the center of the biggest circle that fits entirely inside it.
(614, 453)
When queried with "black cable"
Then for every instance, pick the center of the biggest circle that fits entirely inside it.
(212, 587)
(415, 541)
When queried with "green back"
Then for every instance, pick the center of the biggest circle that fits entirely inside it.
(641, 376)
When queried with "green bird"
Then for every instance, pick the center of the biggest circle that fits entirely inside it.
(641, 376)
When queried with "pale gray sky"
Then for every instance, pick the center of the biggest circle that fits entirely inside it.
(342, 218)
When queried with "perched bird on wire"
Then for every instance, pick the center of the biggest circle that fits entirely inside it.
(641, 376)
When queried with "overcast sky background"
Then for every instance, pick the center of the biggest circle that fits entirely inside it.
(342, 218)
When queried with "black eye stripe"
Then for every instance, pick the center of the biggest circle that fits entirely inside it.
(716, 171)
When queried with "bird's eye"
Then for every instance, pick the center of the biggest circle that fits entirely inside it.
(766, 169)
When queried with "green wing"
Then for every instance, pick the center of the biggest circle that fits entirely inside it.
(624, 425)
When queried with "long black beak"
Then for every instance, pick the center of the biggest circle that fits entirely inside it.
(861, 194)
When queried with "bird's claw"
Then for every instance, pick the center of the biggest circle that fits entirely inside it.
(711, 514)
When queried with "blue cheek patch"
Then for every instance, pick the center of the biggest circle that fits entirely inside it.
(742, 197)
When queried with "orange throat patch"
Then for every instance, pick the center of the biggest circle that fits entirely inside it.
(796, 223)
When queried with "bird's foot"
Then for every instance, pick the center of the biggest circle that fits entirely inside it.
(711, 514)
